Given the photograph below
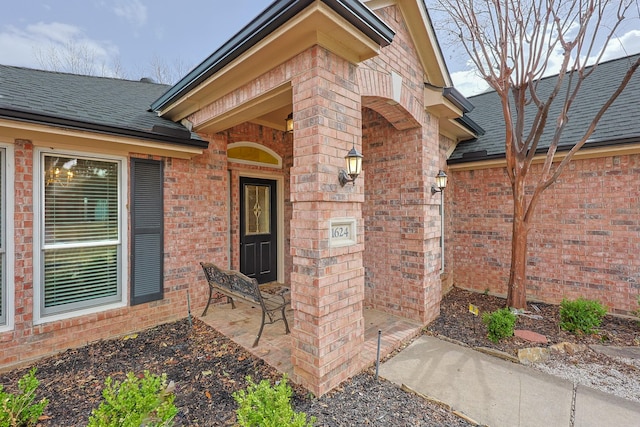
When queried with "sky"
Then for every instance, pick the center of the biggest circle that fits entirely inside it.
(132, 33)
(129, 38)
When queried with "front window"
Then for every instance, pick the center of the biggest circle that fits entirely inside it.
(81, 248)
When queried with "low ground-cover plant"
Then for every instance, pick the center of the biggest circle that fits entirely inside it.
(500, 324)
(262, 405)
(135, 402)
(21, 410)
(581, 315)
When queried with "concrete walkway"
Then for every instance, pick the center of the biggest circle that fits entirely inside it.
(498, 393)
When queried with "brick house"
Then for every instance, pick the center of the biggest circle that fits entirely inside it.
(113, 191)
(586, 235)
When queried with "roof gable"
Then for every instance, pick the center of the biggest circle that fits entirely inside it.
(441, 99)
(420, 27)
(269, 29)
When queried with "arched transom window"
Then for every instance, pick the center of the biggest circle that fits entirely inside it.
(251, 153)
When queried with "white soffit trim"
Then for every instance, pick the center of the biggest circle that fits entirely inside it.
(44, 135)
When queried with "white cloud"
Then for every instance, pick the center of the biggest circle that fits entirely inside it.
(133, 11)
(628, 44)
(469, 83)
(36, 43)
(16, 48)
(55, 32)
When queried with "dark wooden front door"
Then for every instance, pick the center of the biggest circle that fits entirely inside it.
(258, 234)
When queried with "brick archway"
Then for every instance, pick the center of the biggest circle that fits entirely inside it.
(385, 93)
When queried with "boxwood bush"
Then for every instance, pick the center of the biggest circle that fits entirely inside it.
(500, 324)
(581, 315)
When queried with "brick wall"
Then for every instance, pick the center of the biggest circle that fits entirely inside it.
(327, 282)
(402, 222)
(195, 230)
(447, 146)
(401, 149)
(584, 241)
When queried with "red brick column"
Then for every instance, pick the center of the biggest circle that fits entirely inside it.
(327, 282)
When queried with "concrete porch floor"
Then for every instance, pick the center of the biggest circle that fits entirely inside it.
(242, 325)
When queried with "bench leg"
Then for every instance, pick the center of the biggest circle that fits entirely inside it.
(255, 343)
(284, 319)
(204, 313)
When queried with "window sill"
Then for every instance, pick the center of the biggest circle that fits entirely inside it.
(76, 313)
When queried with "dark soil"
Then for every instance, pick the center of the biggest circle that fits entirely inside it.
(207, 368)
(458, 323)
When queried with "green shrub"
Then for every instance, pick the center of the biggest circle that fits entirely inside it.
(500, 324)
(135, 402)
(261, 405)
(20, 410)
(581, 315)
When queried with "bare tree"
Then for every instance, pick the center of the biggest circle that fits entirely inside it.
(511, 43)
(165, 73)
(69, 58)
(81, 59)
(116, 69)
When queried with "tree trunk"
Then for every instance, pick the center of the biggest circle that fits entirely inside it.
(517, 293)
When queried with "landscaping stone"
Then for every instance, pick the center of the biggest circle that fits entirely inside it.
(568, 347)
(531, 355)
(530, 336)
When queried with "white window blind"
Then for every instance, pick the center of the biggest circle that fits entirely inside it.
(81, 233)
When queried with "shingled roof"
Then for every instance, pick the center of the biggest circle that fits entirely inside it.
(619, 125)
(97, 104)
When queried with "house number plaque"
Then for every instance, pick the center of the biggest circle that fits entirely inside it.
(342, 232)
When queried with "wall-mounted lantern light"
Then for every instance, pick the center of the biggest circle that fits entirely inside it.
(354, 167)
(289, 123)
(441, 183)
(438, 187)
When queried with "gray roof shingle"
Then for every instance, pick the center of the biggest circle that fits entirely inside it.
(620, 124)
(86, 102)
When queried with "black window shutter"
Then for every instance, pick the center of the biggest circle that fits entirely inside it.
(147, 231)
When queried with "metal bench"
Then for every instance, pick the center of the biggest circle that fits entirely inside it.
(234, 284)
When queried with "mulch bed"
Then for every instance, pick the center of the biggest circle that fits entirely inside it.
(208, 367)
(457, 323)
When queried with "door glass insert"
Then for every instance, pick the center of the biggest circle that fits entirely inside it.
(257, 211)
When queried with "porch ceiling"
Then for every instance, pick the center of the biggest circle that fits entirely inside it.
(269, 109)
